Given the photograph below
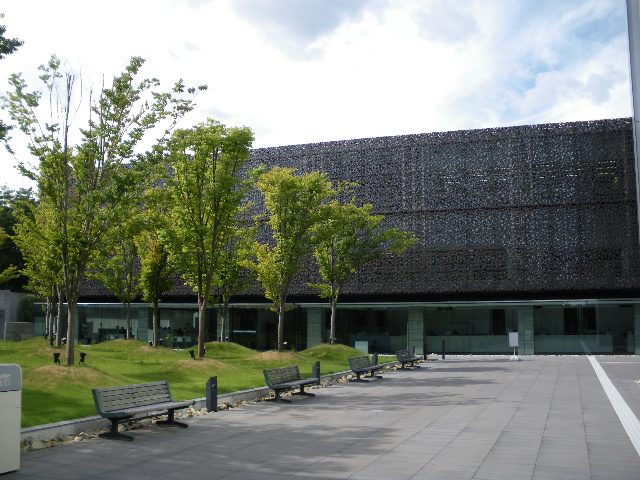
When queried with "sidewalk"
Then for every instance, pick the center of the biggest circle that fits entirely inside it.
(466, 417)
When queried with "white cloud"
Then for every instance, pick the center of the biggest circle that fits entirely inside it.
(309, 71)
(446, 21)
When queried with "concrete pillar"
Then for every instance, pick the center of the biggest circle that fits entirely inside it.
(314, 327)
(525, 330)
(415, 330)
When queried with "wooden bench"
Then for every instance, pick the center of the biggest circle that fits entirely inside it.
(362, 365)
(288, 378)
(405, 357)
(122, 403)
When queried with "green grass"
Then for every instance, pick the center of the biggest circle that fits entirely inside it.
(52, 393)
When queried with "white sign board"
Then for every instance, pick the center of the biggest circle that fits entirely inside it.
(513, 339)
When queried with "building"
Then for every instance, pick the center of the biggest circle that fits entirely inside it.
(531, 229)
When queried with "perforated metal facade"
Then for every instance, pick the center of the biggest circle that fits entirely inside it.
(543, 209)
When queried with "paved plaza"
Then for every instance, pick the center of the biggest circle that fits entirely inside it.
(464, 417)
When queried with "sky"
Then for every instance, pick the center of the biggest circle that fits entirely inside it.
(307, 71)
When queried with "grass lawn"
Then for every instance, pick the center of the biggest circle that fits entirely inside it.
(52, 393)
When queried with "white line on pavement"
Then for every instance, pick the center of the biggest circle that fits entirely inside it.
(629, 420)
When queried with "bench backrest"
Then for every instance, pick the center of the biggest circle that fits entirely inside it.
(403, 354)
(113, 399)
(275, 376)
(359, 362)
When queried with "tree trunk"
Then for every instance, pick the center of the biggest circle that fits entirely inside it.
(202, 311)
(60, 316)
(223, 323)
(332, 331)
(127, 311)
(71, 331)
(52, 316)
(156, 323)
(281, 311)
(48, 318)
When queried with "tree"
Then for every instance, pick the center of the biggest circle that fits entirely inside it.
(155, 268)
(7, 47)
(349, 238)
(25, 311)
(294, 206)
(117, 265)
(35, 235)
(233, 276)
(10, 272)
(207, 190)
(12, 205)
(84, 186)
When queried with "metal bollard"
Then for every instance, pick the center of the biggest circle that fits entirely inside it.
(443, 350)
(212, 394)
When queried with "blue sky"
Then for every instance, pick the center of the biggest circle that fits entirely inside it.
(304, 71)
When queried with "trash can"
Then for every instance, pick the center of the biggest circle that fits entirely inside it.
(10, 416)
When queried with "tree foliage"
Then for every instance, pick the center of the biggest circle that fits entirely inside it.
(84, 185)
(13, 203)
(7, 47)
(233, 275)
(155, 268)
(117, 264)
(207, 190)
(347, 239)
(35, 235)
(294, 205)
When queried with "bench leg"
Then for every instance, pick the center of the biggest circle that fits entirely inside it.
(170, 421)
(358, 378)
(114, 434)
(278, 398)
(302, 392)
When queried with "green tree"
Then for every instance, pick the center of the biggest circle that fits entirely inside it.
(25, 311)
(294, 205)
(12, 204)
(233, 276)
(347, 239)
(35, 235)
(156, 270)
(207, 190)
(7, 47)
(117, 264)
(10, 272)
(83, 186)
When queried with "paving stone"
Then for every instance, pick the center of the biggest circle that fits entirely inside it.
(467, 417)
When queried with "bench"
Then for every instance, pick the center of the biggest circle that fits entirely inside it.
(361, 365)
(122, 403)
(288, 378)
(405, 357)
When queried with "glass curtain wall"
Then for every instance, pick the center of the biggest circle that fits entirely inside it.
(555, 327)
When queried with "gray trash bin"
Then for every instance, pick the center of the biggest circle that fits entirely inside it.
(10, 416)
